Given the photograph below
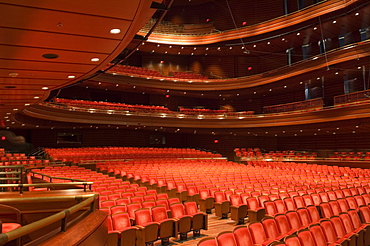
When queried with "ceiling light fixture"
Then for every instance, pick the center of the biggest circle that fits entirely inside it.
(115, 31)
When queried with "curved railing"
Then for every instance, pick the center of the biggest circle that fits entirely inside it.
(61, 216)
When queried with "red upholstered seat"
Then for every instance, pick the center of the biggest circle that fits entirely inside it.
(208, 241)
(167, 226)
(226, 238)
(148, 230)
(183, 220)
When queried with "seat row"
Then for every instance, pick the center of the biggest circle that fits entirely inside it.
(345, 229)
(151, 224)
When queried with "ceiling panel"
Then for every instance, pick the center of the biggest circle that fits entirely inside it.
(61, 22)
(125, 9)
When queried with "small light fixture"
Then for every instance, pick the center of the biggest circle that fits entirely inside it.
(44, 88)
(95, 59)
(71, 76)
(115, 31)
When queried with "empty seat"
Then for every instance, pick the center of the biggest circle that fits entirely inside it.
(226, 238)
(199, 219)
(183, 220)
(122, 223)
(147, 229)
(221, 204)
(238, 210)
(243, 236)
(258, 233)
(208, 241)
(206, 201)
(255, 211)
(167, 226)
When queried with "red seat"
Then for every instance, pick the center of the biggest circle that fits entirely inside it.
(306, 238)
(208, 241)
(206, 201)
(199, 219)
(147, 229)
(243, 236)
(226, 238)
(118, 209)
(238, 210)
(258, 233)
(122, 223)
(183, 220)
(167, 226)
(255, 211)
(221, 204)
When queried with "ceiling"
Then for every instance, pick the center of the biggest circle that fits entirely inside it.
(46, 45)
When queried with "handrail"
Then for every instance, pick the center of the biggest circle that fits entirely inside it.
(61, 216)
(22, 186)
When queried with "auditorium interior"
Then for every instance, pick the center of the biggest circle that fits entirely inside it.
(185, 122)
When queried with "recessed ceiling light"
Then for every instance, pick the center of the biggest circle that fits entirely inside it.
(298, 33)
(357, 14)
(50, 56)
(36, 97)
(71, 76)
(95, 59)
(45, 88)
(13, 74)
(315, 28)
(334, 21)
(26, 104)
(115, 31)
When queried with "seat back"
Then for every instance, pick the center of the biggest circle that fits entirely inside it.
(243, 236)
(219, 196)
(326, 210)
(159, 213)
(343, 204)
(191, 208)
(270, 208)
(271, 229)
(352, 204)
(338, 226)
(177, 210)
(143, 216)
(299, 202)
(226, 238)
(208, 241)
(289, 203)
(257, 232)
(235, 200)
(314, 213)
(347, 222)
(329, 230)
(304, 216)
(318, 235)
(293, 219)
(253, 203)
(364, 213)
(306, 238)
(131, 208)
(118, 209)
(121, 221)
(282, 223)
(292, 240)
(335, 208)
(280, 206)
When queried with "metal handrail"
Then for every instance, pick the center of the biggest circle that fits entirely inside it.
(61, 216)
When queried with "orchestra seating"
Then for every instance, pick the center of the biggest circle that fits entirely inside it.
(309, 198)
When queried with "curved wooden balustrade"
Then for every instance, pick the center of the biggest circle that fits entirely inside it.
(85, 207)
(313, 104)
(290, 20)
(355, 97)
(269, 120)
(343, 54)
